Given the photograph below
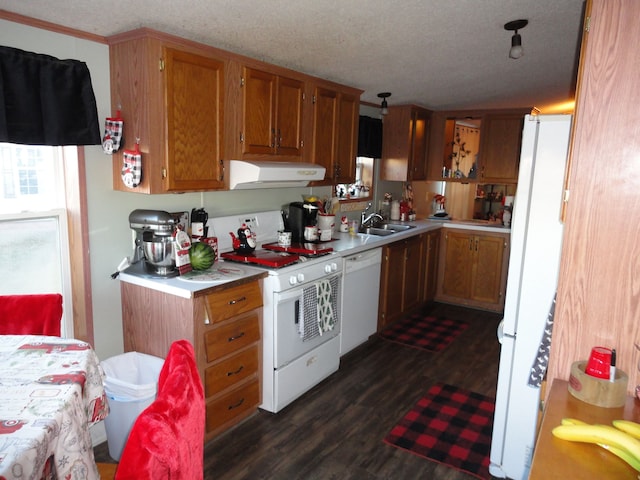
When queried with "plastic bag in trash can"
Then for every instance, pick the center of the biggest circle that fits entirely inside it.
(132, 375)
(131, 383)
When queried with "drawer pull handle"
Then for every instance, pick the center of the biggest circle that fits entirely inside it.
(231, 339)
(229, 374)
(231, 407)
(233, 302)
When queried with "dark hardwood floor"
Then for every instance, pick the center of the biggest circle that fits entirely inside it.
(335, 431)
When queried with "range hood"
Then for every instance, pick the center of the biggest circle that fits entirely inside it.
(247, 175)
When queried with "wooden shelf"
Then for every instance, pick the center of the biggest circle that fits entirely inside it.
(559, 459)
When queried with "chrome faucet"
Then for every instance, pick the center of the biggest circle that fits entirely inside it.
(364, 219)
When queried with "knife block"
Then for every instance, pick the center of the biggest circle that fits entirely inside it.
(598, 391)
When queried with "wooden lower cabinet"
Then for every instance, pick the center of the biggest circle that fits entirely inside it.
(432, 249)
(408, 276)
(473, 268)
(223, 324)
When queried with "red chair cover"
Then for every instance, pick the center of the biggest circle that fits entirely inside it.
(167, 439)
(31, 314)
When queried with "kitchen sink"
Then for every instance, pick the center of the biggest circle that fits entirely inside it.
(396, 227)
(386, 229)
(381, 232)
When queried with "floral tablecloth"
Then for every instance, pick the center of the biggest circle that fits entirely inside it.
(51, 391)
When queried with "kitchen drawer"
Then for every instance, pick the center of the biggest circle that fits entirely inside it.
(222, 375)
(233, 301)
(232, 404)
(228, 338)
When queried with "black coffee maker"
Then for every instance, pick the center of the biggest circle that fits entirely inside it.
(301, 214)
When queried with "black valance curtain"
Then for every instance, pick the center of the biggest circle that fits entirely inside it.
(370, 137)
(46, 101)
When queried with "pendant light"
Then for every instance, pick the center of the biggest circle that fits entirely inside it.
(384, 107)
(516, 40)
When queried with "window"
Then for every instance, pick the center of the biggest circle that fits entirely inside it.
(362, 188)
(34, 244)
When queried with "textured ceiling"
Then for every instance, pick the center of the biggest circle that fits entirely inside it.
(441, 54)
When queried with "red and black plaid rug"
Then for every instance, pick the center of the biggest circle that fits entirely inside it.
(424, 332)
(451, 426)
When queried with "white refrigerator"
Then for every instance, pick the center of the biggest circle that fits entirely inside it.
(536, 240)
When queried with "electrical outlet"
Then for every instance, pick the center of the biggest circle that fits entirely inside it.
(251, 222)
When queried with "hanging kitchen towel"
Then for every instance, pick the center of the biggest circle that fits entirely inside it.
(541, 361)
(326, 320)
(307, 326)
(335, 284)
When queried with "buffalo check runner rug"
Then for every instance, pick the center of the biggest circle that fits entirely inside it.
(451, 426)
(424, 332)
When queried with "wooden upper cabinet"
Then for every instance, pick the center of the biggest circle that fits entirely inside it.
(500, 141)
(347, 128)
(405, 142)
(272, 114)
(334, 133)
(194, 89)
(325, 115)
(419, 144)
(499, 148)
(170, 95)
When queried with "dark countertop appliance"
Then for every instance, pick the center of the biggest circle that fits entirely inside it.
(301, 214)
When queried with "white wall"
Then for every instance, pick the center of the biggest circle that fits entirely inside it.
(109, 232)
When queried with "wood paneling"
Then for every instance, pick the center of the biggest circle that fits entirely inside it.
(599, 286)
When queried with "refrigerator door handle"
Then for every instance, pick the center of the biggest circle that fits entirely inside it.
(500, 332)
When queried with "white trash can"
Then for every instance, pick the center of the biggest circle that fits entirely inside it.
(131, 385)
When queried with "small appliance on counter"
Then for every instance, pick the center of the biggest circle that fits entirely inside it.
(154, 252)
(301, 215)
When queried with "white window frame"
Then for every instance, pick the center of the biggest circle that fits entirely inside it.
(60, 216)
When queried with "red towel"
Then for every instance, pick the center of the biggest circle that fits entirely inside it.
(31, 314)
(167, 439)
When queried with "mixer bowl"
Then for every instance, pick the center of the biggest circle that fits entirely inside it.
(159, 253)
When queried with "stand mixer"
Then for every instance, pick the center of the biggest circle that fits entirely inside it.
(154, 244)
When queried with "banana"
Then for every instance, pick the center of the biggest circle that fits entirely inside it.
(627, 426)
(600, 434)
(623, 455)
(618, 452)
(573, 421)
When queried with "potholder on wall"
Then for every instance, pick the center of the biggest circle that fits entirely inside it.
(132, 167)
(112, 134)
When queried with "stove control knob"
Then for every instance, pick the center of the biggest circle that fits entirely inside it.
(327, 268)
(293, 280)
(301, 277)
(334, 267)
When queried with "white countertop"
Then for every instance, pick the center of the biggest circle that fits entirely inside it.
(343, 244)
(187, 289)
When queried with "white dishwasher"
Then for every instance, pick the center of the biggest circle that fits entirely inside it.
(360, 292)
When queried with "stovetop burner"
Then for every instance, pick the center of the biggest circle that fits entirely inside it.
(306, 249)
(264, 258)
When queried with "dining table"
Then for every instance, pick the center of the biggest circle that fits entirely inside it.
(51, 392)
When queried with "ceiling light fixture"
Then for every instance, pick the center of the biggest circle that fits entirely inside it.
(384, 108)
(516, 41)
